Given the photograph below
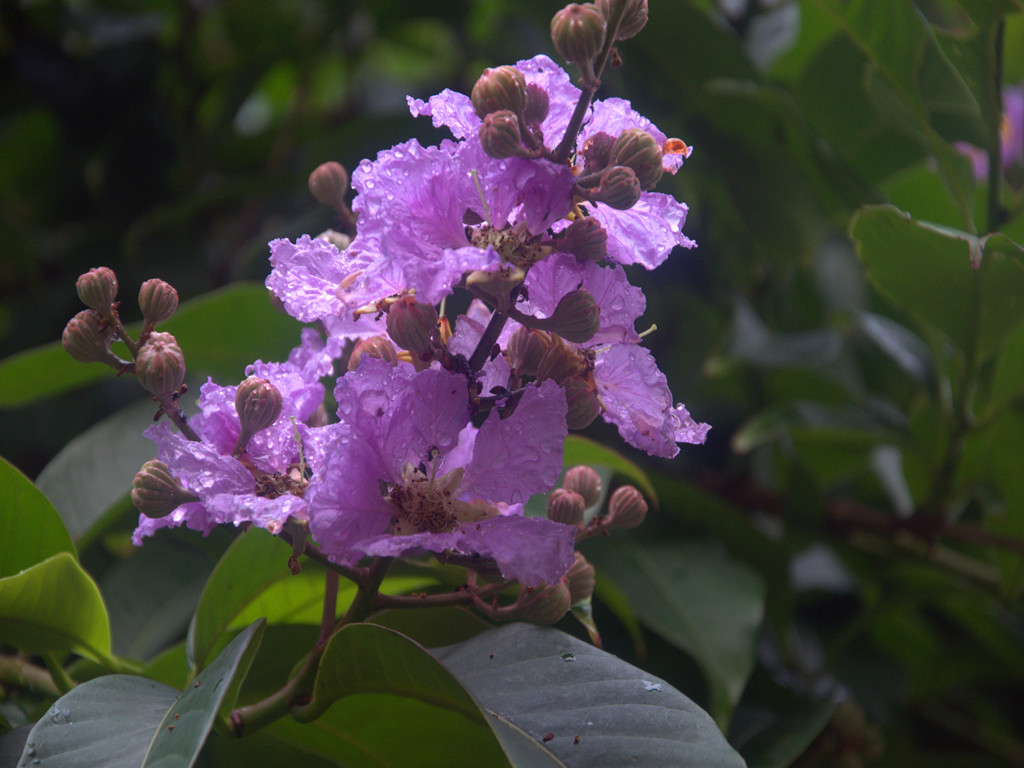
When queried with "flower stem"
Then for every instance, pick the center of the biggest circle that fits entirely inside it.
(487, 340)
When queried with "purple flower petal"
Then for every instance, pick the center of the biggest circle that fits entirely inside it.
(646, 233)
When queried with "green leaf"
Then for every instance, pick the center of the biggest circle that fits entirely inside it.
(54, 606)
(697, 598)
(1008, 379)
(121, 720)
(398, 673)
(556, 688)
(432, 627)
(33, 530)
(581, 450)
(237, 594)
(220, 333)
(970, 288)
(95, 470)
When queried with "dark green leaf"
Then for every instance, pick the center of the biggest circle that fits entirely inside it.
(96, 469)
(432, 627)
(367, 659)
(970, 288)
(121, 721)
(697, 598)
(220, 333)
(33, 530)
(54, 606)
(556, 688)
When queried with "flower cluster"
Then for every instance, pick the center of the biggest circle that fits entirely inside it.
(445, 426)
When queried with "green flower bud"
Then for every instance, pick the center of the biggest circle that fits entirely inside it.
(499, 88)
(637, 149)
(580, 580)
(577, 32)
(97, 289)
(551, 604)
(156, 493)
(626, 508)
(375, 346)
(576, 318)
(537, 105)
(411, 325)
(584, 405)
(559, 363)
(329, 183)
(258, 403)
(86, 339)
(634, 17)
(585, 481)
(525, 349)
(565, 507)
(585, 239)
(499, 135)
(157, 300)
(160, 365)
(619, 188)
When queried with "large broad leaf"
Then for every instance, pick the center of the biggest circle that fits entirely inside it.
(220, 333)
(585, 706)
(95, 470)
(121, 721)
(54, 606)
(385, 685)
(697, 598)
(971, 288)
(33, 530)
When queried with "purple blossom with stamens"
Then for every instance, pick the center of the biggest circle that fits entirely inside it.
(263, 486)
(406, 472)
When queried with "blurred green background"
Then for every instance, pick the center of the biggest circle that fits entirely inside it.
(852, 533)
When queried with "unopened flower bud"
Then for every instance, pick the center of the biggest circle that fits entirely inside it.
(637, 149)
(97, 289)
(525, 349)
(160, 365)
(411, 325)
(258, 403)
(85, 340)
(157, 300)
(626, 508)
(559, 363)
(634, 17)
(156, 493)
(595, 152)
(577, 32)
(537, 105)
(619, 188)
(583, 404)
(576, 317)
(580, 580)
(565, 507)
(375, 346)
(499, 135)
(551, 604)
(329, 182)
(499, 88)
(585, 481)
(585, 239)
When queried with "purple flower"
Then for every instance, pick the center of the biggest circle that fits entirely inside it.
(264, 486)
(405, 473)
(646, 233)
(633, 391)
